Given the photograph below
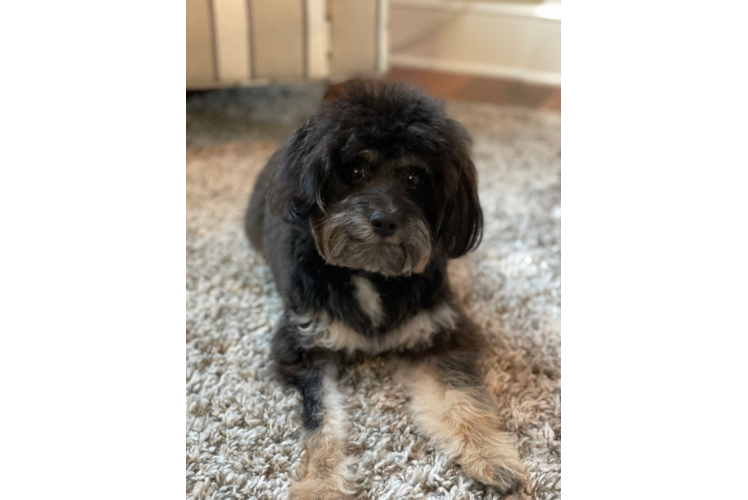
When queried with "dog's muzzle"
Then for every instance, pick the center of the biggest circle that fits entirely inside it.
(384, 242)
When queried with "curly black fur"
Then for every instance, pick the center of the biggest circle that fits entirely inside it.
(397, 122)
(307, 176)
(374, 149)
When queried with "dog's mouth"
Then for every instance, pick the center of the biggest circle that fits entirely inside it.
(348, 241)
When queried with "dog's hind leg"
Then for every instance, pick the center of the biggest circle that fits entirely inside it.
(453, 408)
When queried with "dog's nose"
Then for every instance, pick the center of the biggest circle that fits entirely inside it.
(384, 224)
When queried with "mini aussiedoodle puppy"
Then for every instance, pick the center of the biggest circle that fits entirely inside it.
(358, 214)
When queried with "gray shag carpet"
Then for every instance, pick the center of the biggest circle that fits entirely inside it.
(243, 428)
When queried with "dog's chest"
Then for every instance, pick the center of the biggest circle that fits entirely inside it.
(369, 299)
(376, 319)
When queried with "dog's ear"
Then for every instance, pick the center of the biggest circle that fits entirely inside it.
(302, 165)
(460, 227)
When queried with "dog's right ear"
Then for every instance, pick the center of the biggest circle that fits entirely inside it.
(301, 167)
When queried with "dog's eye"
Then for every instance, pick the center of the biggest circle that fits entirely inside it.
(415, 179)
(356, 174)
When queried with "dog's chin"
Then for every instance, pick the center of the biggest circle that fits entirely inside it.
(403, 254)
(387, 260)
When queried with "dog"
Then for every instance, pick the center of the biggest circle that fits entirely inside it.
(358, 214)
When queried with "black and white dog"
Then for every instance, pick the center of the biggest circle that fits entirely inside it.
(358, 214)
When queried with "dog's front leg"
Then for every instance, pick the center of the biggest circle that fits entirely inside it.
(453, 408)
(325, 469)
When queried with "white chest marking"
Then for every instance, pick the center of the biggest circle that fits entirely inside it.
(320, 331)
(368, 299)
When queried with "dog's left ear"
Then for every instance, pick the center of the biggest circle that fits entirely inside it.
(302, 165)
(461, 219)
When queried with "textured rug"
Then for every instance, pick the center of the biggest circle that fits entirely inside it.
(243, 428)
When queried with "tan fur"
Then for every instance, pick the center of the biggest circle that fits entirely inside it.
(325, 470)
(464, 424)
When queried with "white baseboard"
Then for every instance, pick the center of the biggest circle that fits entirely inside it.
(470, 68)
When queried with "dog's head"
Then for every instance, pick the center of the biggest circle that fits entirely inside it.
(383, 179)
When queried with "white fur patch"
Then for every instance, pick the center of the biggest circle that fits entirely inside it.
(368, 299)
(336, 420)
(336, 336)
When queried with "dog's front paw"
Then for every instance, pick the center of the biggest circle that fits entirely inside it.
(311, 488)
(502, 470)
(325, 471)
